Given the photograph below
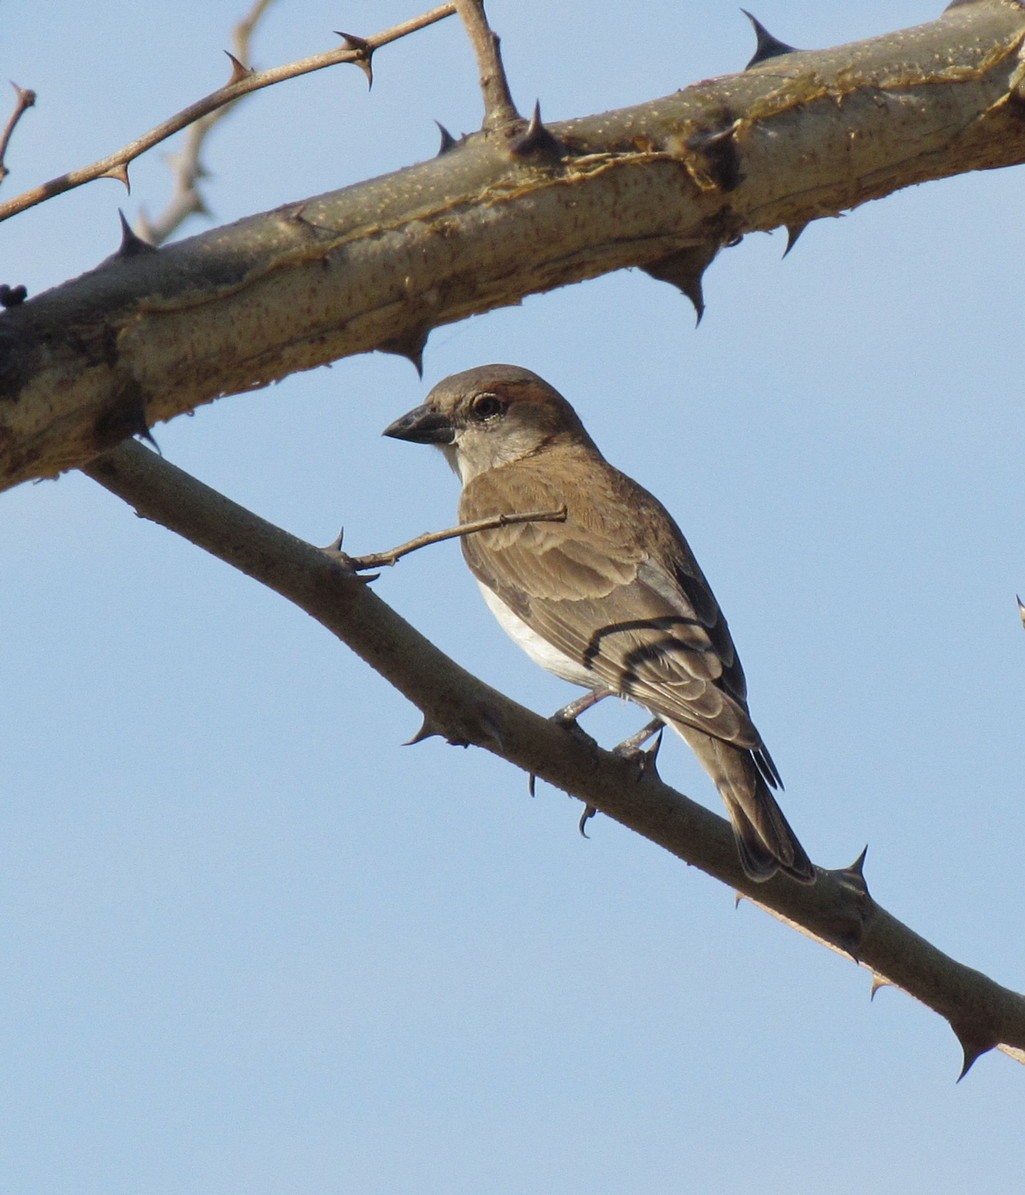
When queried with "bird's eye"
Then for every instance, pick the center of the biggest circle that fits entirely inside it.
(487, 406)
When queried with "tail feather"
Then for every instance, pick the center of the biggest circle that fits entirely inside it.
(765, 841)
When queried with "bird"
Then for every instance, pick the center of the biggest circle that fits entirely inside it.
(611, 598)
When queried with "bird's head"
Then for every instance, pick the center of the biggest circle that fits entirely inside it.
(490, 416)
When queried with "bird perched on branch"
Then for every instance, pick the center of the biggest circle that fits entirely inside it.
(611, 598)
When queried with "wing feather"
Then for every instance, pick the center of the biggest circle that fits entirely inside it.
(623, 596)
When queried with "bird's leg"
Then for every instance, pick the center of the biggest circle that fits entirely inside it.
(570, 713)
(567, 716)
(631, 749)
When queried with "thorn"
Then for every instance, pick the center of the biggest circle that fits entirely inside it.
(535, 138)
(428, 730)
(132, 245)
(737, 898)
(857, 868)
(448, 142)
(973, 1046)
(144, 433)
(26, 96)
(1021, 604)
(120, 174)
(364, 52)
(238, 71)
(585, 817)
(766, 46)
(651, 755)
(878, 982)
(531, 784)
(490, 729)
(410, 345)
(12, 296)
(685, 270)
(793, 232)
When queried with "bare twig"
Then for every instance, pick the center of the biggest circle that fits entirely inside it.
(115, 165)
(384, 559)
(499, 109)
(26, 98)
(837, 910)
(187, 170)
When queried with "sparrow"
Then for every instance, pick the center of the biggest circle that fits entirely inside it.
(611, 598)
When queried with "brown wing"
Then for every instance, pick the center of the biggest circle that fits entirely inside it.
(623, 596)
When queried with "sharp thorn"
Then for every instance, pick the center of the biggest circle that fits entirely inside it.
(766, 46)
(532, 784)
(535, 138)
(429, 729)
(793, 232)
(685, 269)
(145, 434)
(238, 71)
(585, 817)
(410, 345)
(120, 174)
(364, 54)
(973, 1049)
(132, 245)
(448, 142)
(858, 866)
(878, 982)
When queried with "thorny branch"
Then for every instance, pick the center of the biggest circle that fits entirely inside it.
(499, 109)
(383, 559)
(837, 910)
(26, 98)
(186, 200)
(242, 82)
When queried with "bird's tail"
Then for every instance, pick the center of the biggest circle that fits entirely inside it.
(765, 840)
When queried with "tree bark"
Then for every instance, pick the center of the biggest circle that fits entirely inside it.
(502, 214)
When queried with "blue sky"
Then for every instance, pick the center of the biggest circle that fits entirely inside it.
(251, 943)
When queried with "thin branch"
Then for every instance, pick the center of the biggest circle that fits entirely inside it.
(115, 165)
(187, 170)
(499, 109)
(836, 910)
(26, 98)
(384, 559)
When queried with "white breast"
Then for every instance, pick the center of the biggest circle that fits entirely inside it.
(539, 650)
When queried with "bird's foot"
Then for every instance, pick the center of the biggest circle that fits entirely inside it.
(631, 749)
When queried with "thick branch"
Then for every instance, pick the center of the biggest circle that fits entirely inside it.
(835, 910)
(375, 266)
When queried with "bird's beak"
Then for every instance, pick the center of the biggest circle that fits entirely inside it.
(423, 425)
